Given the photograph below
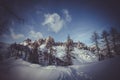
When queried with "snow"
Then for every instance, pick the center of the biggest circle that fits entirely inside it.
(60, 50)
(83, 56)
(21, 70)
(24, 43)
(80, 56)
(85, 67)
(13, 69)
(43, 48)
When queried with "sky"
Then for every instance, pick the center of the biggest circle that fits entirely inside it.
(36, 19)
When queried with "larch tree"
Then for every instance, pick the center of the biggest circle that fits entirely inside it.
(115, 40)
(105, 37)
(95, 39)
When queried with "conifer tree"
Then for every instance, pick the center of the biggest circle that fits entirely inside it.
(69, 48)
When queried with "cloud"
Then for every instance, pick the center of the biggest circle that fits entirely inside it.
(35, 35)
(14, 35)
(55, 22)
(67, 15)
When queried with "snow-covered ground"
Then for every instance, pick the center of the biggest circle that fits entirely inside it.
(12, 69)
(85, 67)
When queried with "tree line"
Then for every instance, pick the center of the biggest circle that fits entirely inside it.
(32, 52)
(107, 43)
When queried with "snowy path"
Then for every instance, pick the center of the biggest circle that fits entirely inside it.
(21, 70)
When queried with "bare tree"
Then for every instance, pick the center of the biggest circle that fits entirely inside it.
(114, 34)
(95, 39)
(105, 37)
